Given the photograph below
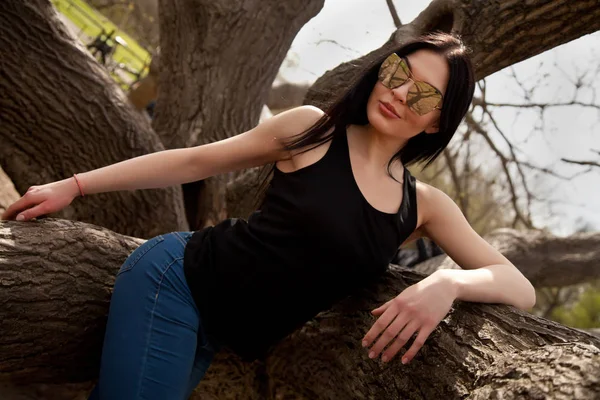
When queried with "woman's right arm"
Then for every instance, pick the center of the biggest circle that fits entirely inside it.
(258, 146)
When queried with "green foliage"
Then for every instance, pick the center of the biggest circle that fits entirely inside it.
(584, 313)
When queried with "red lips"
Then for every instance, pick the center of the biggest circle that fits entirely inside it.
(390, 107)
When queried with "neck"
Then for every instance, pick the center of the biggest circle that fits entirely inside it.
(377, 148)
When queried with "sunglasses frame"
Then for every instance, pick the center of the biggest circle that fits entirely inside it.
(383, 76)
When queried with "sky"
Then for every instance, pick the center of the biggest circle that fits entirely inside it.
(347, 29)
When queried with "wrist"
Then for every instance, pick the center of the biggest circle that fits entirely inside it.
(70, 187)
(450, 277)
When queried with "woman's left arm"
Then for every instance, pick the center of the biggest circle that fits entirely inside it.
(487, 276)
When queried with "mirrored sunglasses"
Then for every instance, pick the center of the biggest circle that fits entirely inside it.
(422, 97)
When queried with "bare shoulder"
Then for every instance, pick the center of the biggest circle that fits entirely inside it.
(431, 201)
(260, 145)
(294, 121)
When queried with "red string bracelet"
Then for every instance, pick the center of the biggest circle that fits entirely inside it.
(78, 185)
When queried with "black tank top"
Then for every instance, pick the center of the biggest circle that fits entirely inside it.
(313, 242)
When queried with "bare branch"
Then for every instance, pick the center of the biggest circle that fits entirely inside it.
(540, 105)
(591, 163)
(546, 171)
(451, 163)
(514, 159)
(504, 162)
(318, 42)
(394, 13)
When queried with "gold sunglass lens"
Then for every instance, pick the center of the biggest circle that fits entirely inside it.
(401, 75)
(423, 98)
(388, 68)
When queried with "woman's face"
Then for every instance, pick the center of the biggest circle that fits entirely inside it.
(426, 66)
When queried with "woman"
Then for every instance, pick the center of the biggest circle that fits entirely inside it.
(340, 203)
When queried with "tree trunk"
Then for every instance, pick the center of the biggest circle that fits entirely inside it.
(61, 114)
(499, 33)
(53, 310)
(218, 62)
(546, 260)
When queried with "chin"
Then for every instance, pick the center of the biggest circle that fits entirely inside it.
(382, 123)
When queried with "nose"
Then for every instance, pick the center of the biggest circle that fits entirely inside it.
(402, 91)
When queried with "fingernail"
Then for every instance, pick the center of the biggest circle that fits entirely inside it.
(20, 218)
(404, 361)
(372, 354)
(384, 358)
(364, 343)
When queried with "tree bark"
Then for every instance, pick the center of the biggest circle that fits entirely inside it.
(499, 33)
(61, 114)
(54, 297)
(53, 310)
(546, 260)
(216, 66)
(218, 62)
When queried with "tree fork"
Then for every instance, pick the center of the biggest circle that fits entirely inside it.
(61, 113)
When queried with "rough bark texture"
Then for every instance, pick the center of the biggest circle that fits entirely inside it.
(285, 96)
(545, 259)
(218, 62)
(56, 279)
(53, 310)
(60, 113)
(499, 33)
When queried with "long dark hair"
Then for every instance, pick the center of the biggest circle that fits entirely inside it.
(351, 108)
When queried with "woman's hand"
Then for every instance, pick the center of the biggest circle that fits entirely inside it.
(419, 307)
(40, 200)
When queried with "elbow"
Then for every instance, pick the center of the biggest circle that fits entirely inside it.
(529, 298)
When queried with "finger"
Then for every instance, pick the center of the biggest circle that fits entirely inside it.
(400, 341)
(379, 326)
(19, 205)
(389, 334)
(417, 344)
(382, 308)
(34, 212)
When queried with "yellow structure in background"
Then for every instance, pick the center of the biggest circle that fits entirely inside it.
(128, 62)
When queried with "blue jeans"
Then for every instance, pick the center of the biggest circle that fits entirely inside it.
(154, 347)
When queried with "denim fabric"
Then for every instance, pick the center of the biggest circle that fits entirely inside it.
(154, 347)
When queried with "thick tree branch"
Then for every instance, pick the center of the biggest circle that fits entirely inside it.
(53, 310)
(286, 95)
(220, 92)
(545, 259)
(54, 297)
(526, 29)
